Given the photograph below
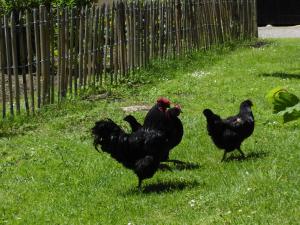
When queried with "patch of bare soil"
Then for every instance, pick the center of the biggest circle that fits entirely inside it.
(135, 108)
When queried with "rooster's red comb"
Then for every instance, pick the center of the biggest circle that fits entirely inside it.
(164, 101)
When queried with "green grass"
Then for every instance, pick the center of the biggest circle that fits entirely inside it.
(50, 173)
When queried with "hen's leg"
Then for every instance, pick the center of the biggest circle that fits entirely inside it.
(224, 156)
(242, 153)
(140, 185)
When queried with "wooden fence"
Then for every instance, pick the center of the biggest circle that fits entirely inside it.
(47, 54)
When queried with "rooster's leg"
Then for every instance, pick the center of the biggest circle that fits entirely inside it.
(224, 156)
(242, 153)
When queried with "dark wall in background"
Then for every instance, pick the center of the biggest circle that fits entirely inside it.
(278, 12)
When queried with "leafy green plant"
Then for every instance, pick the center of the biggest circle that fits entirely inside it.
(284, 104)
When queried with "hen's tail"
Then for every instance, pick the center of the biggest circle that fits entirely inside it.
(210, 116)
(106, 134)
(134, 124)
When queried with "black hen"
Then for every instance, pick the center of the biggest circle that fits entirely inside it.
(139, 151)
(228, 134)
(166, 121)
(154, 118)
(174, 131)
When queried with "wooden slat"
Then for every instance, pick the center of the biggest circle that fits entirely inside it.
(63, 53)
(52, 71)
(43, 54)
(76, 49)
(2, 70)
(71, 52)
(59, 56)
(22, 62)
(38, 56)
(113, 46)
(86, 45)
(94, 45)
(9, 64)
(30, 58)
(90, 26)
(100, 57)
(67, 50)
(47, 54)
(107, 40)
(15, 61)
(81, 30)
(134, 36)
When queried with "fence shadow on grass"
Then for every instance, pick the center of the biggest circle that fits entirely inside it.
(281, 75)
(250, 156)
(260, 44)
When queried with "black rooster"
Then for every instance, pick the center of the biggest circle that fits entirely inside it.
(228, 134)
(139, 151)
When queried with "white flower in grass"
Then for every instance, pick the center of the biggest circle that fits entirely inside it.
(192, 203)
(200, 74)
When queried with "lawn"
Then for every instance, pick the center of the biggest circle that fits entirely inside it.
(51, 174)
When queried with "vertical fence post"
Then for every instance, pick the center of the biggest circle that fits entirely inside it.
(71, 51)
(2, 70)
(63, 52)
(38, 55)
(15, 60)
(30, 58)
(52, 28)
(22, 62)
(67, 50)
